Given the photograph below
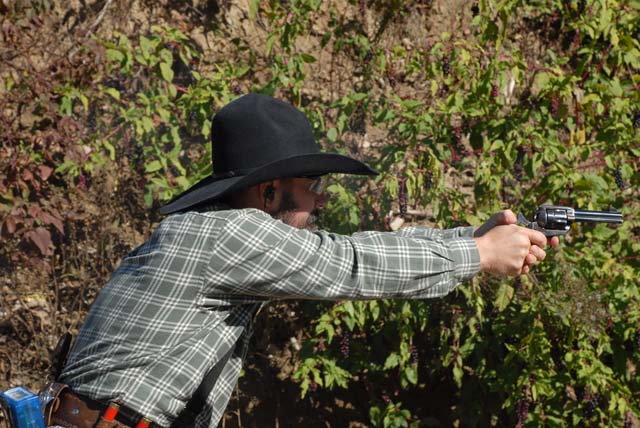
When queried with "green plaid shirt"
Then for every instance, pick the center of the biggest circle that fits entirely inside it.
(179, 303)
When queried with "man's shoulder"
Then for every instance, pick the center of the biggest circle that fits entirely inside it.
(221, 215)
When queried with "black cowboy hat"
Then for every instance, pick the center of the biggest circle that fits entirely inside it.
(255, 139)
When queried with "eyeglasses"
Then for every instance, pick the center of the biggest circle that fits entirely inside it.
(318, 185)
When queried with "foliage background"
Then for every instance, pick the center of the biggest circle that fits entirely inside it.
(467, 108)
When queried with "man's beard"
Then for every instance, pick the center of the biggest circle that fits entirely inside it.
(287, 210)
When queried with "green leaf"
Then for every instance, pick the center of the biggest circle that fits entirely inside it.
(110, 149)
(270, 40)
(308, 58)
(350, 322)
(66, 166)
(503, 296)
(153, 166)
(541, 82)
(148, 195)
(393, 360)
(411, 373)
(175, 135)
(166, 71)
(349, 308)
(85, 101)
(115, 55)
(113, 92)
(374, 307)
(327, 328)
(145, 45)
(457, 375)
(254, 6)
(147, 124)
(173, 91)
(166, 56)
(332, 134)
(66, 106)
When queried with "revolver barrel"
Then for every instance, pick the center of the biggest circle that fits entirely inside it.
(598, 216)
(554, 220)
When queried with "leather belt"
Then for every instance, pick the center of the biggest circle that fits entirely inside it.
(71, 410)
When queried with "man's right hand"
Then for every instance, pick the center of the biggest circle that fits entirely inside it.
(508, 249)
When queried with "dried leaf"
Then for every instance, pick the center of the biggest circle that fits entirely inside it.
(34, 210)
(10, 223)
(42, 238)
(49, 219)
(36, 300)
(27, 175)
(54, 212)
(571, 393)
(18, 212)
(44, 172)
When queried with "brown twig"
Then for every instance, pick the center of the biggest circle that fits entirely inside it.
(238, 400)
(93, 27)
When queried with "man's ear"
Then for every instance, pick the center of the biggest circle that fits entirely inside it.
(267, 192)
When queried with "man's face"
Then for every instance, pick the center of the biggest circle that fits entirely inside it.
(299, 203)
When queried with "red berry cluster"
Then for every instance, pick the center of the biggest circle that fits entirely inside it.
(344, 345)
(575, 43)
(83, 181)
(414, 355)
(617, 175)
(402, 195)
(428, 180)
(636, 120)
(589, 403)
(321, 346)
(522, 411)
(518, 164)
(475, 10)
(494, 90)
(554, 106)
(446, 66)
(628, 419)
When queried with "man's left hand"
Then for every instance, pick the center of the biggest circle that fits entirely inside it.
(507, 217)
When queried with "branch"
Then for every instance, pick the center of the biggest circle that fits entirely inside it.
(93, 26)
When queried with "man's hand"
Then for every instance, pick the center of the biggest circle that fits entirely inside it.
(502, 218)
(507, 249)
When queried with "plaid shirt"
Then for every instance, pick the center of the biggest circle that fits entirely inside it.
(184, 300)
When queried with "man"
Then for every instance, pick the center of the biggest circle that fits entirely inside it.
(166, 337)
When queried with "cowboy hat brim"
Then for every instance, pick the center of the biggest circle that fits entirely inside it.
(313, 164)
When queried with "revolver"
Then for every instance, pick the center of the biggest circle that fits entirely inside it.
(555, 220)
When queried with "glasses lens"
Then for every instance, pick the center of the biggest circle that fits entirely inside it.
(317, 186)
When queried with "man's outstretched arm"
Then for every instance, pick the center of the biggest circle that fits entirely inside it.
(258, 256)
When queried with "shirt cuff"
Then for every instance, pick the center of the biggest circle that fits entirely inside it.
(466, 258)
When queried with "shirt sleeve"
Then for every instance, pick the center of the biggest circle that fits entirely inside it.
(255, 255)
(422, 232)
